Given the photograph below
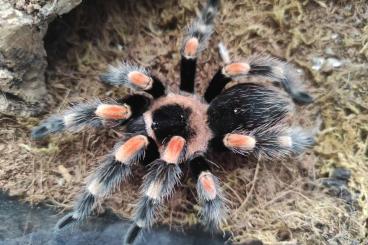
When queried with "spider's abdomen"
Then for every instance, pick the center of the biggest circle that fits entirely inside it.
(246, 107)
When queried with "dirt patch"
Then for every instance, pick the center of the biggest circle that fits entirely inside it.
(273, 202)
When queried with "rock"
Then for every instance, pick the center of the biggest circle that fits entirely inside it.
(337, 185)
(253, 242)
(326, 65)
(23, 57)
(341, 173)
(335, 63)
(317, 63)
(329, 51)
(332, 182)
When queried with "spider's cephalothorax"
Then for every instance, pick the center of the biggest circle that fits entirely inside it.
(165, 131)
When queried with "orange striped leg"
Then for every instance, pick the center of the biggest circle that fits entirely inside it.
(194, 42)
(209, 192)
(269, 143)
(115, 170)
(223, 76)
(135, 77)
(93, 114)
(158, 185)
(260, 66)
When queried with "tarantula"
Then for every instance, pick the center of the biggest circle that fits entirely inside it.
(166, 130)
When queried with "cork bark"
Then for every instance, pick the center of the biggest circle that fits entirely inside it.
(23, 26)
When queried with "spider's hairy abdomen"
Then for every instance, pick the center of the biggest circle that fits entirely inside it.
(247, 106)
(179, 114)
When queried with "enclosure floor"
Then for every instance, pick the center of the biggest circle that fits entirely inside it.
(34, 226)
(274, 202)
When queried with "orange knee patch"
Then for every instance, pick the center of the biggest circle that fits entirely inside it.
(191, 47)
(113, 112)
(236, 69)
(130, 148)
(174, 149)
(244, 142)
(140, 80)
(208, 184)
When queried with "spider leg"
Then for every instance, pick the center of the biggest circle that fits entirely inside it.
(194, 42)
(135, 77)
(93, 114)
(163, 175)
(262, 66)
(210, 196)
(268, 142)
(114, 171)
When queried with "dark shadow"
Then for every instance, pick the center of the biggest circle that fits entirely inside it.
(34, 226)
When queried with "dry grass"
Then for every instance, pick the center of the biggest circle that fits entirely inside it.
(273, 202)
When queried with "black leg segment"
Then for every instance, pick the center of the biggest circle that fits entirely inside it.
(138, 103)
(216, 85)
(187, 74)
(158, 89)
